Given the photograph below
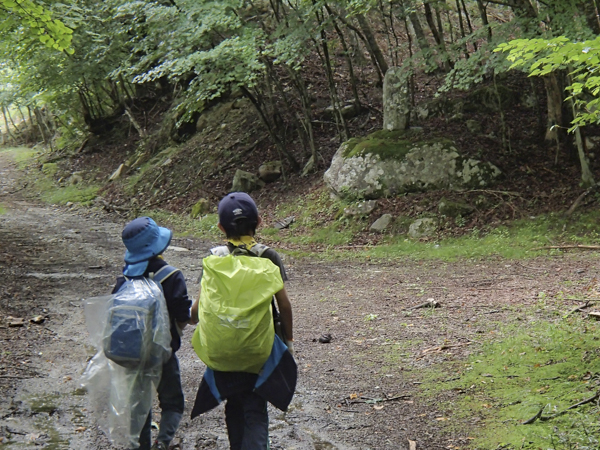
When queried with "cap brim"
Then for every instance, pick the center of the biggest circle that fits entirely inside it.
(135, 270)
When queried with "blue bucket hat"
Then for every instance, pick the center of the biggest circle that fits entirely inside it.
(236, 206)
(144, 239)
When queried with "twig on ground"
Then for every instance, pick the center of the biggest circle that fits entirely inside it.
(428, 304)
(578, 309)
(580, 198)
(82, 146)
(562, 247)
(534, 418)
(576, 405)
(542, 269)
(564, 411)
(379, 400)
(439, 348)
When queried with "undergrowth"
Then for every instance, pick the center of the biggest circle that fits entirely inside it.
(322, 229)
(536, 368)
(204, 227)
(41, 180)
(320, 222)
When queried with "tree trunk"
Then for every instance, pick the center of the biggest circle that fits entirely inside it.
(39, 121)
(335, 100)
(438, 36)
(353, 83)
(468, 19)
(370, 37)
(592, 14)
(422, 41)
(419, 33)
(484, 19)
(278, 143)
(12, 121)
(31, 121)
(8, 132)
(587, 178)
(554, 95)
(431, 23)
(368, 47)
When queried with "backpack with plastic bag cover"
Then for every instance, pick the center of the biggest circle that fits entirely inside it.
(131, 333)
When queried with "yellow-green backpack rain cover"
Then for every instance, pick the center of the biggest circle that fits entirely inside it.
(235, 330)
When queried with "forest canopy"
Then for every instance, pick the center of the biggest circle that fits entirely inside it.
(75, 65)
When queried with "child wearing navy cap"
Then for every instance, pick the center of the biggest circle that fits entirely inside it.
(145, 242)
(246, 414)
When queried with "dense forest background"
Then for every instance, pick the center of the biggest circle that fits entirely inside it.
(119, 82)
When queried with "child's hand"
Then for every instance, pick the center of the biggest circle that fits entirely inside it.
(290, 346)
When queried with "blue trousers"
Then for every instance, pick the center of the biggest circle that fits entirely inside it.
(171, 402)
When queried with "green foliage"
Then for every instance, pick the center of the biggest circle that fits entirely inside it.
(38, 22)
(69, 194)
(548, 364)
(205, 226)
(540, 57)
(518, 241)
(2, 209)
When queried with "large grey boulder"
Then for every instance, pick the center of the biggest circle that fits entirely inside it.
(396, 100)
(454, 209)
(363, 208)
(390, 163)
(270, 171)
(382, 223)
(246, 182)
(424, 227)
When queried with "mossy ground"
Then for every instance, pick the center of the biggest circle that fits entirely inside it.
(537, 365)
(42, 179)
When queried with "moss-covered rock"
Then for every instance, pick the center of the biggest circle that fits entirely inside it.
(50, 169)
(449, 208)
(388, 163)
(200, 208)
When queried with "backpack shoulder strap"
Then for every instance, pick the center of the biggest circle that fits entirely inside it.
(163, 273)
(255, 250)
(222, 250)
(258, 249)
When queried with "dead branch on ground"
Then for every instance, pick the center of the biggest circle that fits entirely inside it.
(560, 413)
(379, 400)
(580, 198)
(578, 309)
(440, 348)
(563, 247)
(430, 303)
(534, 418)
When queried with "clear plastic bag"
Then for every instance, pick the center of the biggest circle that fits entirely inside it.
(121, 389)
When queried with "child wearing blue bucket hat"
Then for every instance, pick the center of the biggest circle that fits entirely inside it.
(145, 242)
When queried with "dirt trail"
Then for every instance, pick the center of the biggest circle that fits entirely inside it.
(357, 392)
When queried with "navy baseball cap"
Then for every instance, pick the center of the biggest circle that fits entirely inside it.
(144, 239)
(236, 206)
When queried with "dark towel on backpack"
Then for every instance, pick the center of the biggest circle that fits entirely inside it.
(276, 382)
